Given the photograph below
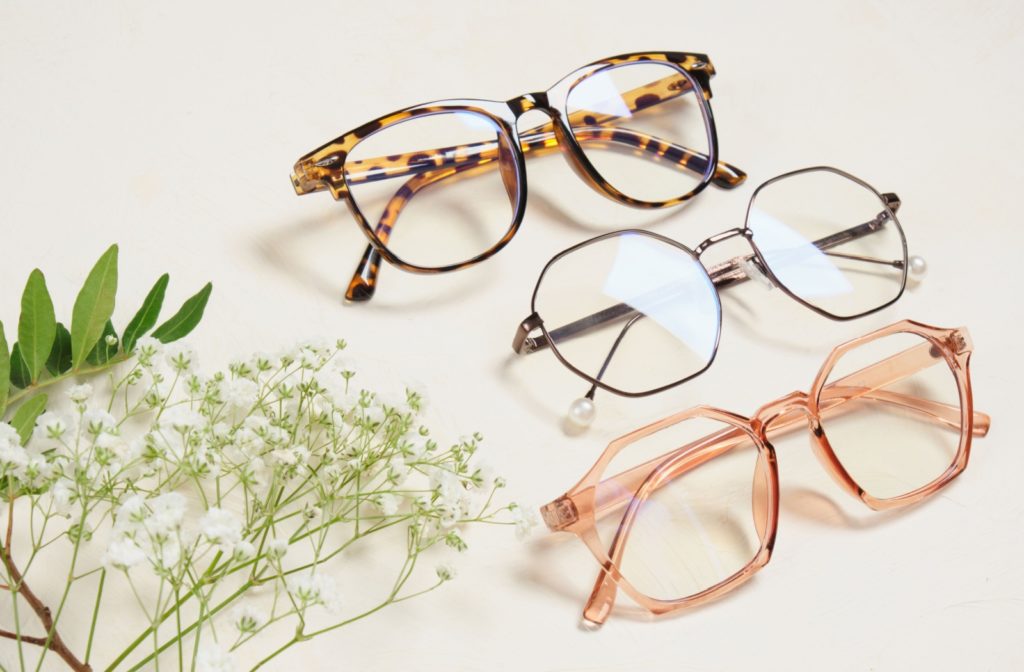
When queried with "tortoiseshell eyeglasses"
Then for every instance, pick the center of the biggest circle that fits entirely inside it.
(638, 128)
(636, 313)
(685, 509)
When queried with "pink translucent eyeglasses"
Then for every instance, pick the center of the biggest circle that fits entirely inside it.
(685, 509)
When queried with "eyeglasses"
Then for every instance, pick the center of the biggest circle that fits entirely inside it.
(681, 511)
(824, 237)
(638, 128)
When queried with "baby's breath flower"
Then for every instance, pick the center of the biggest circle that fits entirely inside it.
(311, 511)
(277, 548)
(123, 554)
(445, 571)
(243, 552)
(375, 414)
(148, 348)
(388, 503)
(80, 393)
(52, 425)
(415, 397)
(525, 519)
(9, 434)
(261, 362)
(96, 422)
(314, 589)
(37, 472)
(212, 658)
(13, 457)
(251, 473)
(181, 357)
(454, 541)
(239, 393)
(221, 527)
(167, 512)
(181, 419)
(62, 493)
(248, 619)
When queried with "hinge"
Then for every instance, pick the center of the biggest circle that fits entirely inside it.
(958, 342)
(523, 343)
(559, 514)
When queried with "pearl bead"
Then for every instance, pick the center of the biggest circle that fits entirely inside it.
(582, 412)
(918, 266)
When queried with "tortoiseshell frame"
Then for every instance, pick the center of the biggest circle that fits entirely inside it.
(325, 167)
(578, 509)
(722, 275)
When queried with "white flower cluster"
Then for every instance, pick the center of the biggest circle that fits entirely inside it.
(314, 588)
(223, 475)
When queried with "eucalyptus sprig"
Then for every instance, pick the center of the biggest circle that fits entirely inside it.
(47, 352)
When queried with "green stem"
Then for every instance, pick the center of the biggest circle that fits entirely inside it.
(17, 621)
(166, 614)
(177, 619)
(171, 642)
(95, 615)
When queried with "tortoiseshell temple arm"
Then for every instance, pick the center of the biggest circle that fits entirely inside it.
(725, 274)
(588, 126)
(538, 142)
(863, 385)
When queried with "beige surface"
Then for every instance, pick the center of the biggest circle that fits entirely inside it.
(170, 128)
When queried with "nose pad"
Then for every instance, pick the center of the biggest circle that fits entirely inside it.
(574, 156)
(760, 498)
(752, 269)
(829, 462)
(507, 166)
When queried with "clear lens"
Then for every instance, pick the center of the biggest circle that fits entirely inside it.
(631, 310)
(701, 520)
(643, 127)
(830, 241)
(438, 189)
(891, 412)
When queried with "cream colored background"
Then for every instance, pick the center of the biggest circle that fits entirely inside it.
(171, 127)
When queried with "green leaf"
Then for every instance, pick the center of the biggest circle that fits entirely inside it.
(20, 376)
(60, 355)
(24, 419)
(103, 351)
(93, 307)
(146, 317)
(38, 325)
(5, 371)
(186, 319)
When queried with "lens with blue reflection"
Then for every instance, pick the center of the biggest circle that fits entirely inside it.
(632, 310)
(830, 240)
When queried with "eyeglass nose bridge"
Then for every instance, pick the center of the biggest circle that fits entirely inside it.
(531, 101)
(719, 237)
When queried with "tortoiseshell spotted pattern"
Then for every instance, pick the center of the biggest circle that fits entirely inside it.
(327, 167)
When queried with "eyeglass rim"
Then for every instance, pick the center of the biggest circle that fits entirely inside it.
(793, 295)
(955, 345)
(696, 67)
(747, 233)
(593, 379)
